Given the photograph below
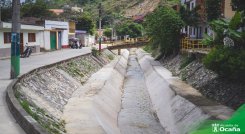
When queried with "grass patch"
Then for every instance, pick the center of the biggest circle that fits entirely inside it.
(148, 48)
(95, 52)
(53, 126)
(186, 61)
(110, 56)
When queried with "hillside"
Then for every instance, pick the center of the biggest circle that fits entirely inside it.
(142, 8)
(127, 8)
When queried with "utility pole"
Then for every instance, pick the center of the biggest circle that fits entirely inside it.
(15, 40)
(0, 12)
(100, 33)
(1, 4)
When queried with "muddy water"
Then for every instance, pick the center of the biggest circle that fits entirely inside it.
(136, 115)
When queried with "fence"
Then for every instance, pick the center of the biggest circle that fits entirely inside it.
(194, 45)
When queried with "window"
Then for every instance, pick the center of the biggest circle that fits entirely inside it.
(7, 37)
(31, 37)
(190, 30)
(206, 30)
(200, 32)
(192, 5)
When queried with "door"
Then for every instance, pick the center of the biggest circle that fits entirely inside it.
(53, 40)
(21, 43)
(59, 40)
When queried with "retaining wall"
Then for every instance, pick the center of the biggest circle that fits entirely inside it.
(28, 124)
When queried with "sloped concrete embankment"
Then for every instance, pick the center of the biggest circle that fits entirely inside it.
(37, 99)
(94, 108)
(176, 114)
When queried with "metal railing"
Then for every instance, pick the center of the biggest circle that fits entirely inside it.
(193, 44)
(134, 40)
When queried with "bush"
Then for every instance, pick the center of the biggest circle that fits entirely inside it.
(226, 62)
(148, 48)
(129, 28)
(186, 61)
(95, 52)
(213, 9)
(163, 27)
(110, 56)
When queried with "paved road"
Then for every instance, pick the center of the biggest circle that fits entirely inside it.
(8, 124)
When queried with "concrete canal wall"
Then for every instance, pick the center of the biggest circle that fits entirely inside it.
(68, 97)
(94, 107)
(176, 112)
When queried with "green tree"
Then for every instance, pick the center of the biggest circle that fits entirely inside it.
(238, 5)
(227, 61)
(163, 27)
(129, 28)
(190, 18)
(213, 9)
(6, 13)
(85, 22)
(6, 10)
(107, 32)
(224, 28)
(37, 9)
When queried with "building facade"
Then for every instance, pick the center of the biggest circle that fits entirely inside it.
(55, 35)
(30, 35)
(72, 29)
(85, 38)
(203, 28)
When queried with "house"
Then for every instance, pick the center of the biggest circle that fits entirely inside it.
(227, 9)
(72, 29)
(85, 38)
(57, 11)
(77, 9)
(30, 35)
(203, 28)
(55, 34)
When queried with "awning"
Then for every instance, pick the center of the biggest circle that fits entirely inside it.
(59, 28)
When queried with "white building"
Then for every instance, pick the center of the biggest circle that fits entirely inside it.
(55, 35)
(77, 9)
(85, 38)
(30, 35)
(203, 28)
(197, 32)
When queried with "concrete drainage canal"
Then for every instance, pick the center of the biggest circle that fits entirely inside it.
(126, 96)
(137, 115)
